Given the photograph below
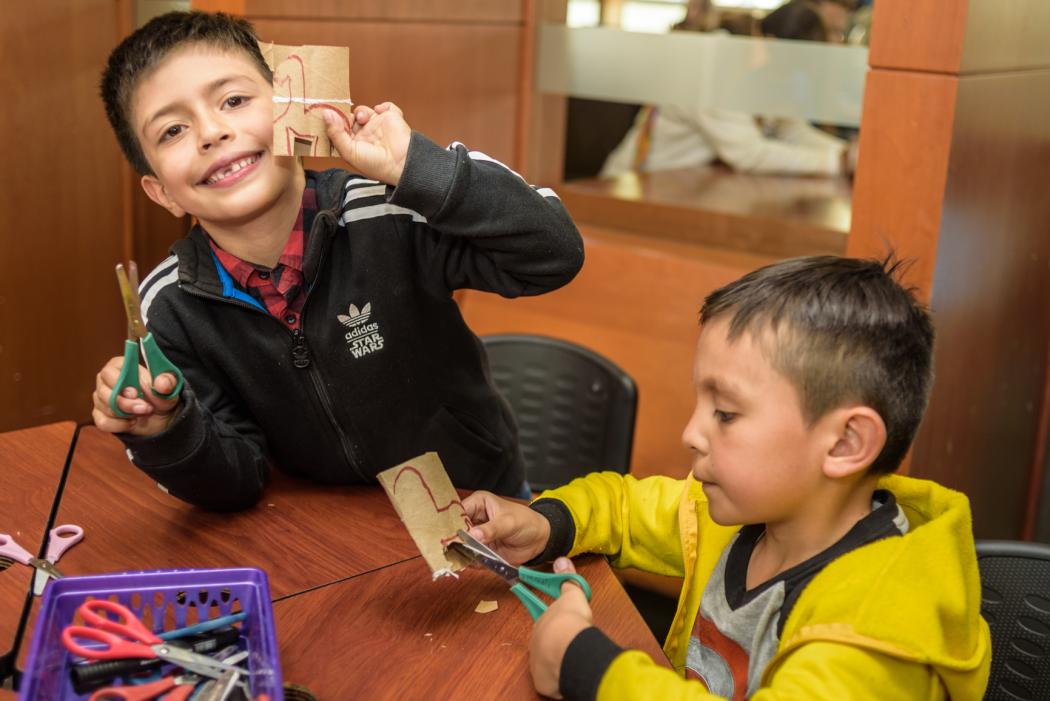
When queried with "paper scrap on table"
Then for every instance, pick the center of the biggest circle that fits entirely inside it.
(486, 606)
(429, 507)
(306, 80)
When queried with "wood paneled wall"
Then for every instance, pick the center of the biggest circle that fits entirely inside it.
(955, 143)
(456, 67)
(65, 217)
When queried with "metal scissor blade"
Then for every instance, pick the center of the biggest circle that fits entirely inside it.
(484, 556)
(129, 292)
(46, 568)
(39, 582)
(192, 661)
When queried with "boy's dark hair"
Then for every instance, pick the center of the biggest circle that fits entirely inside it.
(843, 330)
(794, 20)
(146, 47)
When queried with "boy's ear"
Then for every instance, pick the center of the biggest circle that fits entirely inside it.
(155, 191)
(861, 435)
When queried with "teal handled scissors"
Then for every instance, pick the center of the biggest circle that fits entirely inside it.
(520, 578)
(139, 337)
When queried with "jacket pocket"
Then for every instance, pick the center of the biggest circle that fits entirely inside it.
(466, 432)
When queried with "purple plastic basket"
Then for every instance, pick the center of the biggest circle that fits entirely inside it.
(47, 671)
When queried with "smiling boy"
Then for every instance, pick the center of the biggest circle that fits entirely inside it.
(810, 571)
(312, 313)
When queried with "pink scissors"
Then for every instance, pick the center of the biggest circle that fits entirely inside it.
(60, 539)
(126, 637)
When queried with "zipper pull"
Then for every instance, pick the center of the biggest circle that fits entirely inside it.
(300, 353)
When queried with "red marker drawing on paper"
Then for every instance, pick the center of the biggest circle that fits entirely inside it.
(423, 482)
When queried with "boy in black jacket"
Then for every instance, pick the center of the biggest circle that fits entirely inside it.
(312, 313)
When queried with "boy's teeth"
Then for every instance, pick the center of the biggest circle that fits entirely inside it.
(231, 169)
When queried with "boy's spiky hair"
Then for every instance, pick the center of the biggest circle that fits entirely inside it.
(144, 49)
(843, 330)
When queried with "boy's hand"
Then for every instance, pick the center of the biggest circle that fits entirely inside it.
(563, 620)
(150, 413)
(514, 531)
(377, 144)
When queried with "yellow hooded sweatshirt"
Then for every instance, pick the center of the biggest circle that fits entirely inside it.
(898, 618)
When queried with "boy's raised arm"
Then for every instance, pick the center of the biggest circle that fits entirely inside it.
(476, 223)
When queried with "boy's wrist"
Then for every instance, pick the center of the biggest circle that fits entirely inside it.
(586, 660)
(184, 429)
(425, 178)
(562, 530)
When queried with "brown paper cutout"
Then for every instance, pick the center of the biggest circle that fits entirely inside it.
(486, 606)
(306, 80)
(430, 509)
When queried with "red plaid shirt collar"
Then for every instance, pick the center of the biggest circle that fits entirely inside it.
(281, 289)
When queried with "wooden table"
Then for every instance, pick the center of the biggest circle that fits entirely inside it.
(303, 534)
(353, 598)
(32, 463)
(403, 631)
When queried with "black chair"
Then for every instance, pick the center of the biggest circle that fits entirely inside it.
(1015, 600)
(575, 409)
(593, 128)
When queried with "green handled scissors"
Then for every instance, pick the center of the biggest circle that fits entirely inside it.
(520, 578)
(139, 337)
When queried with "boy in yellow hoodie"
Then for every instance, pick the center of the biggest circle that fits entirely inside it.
(810, 570)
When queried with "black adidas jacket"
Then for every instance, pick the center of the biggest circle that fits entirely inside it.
(383, 367)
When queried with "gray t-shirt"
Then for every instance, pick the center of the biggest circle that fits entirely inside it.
(737, 630)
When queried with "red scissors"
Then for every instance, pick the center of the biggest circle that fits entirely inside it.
(170, 688)
(126, 637)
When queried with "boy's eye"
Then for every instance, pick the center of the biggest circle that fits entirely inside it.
(235, 101)
(171, 132)
(724, 417)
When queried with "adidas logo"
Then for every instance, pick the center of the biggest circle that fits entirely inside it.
(356, 317)
(363, 338)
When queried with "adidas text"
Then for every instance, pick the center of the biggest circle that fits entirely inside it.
(361, 331)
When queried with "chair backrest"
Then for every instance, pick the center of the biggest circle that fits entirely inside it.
(593, 128)
(575, 409)
(1015, 600)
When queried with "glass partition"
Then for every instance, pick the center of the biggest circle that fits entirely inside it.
(810, 80)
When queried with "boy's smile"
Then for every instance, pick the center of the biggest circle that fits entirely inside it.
(755, 455)
(204, 119)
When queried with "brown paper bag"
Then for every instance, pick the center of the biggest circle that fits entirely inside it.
(306, 80)
(428, 505)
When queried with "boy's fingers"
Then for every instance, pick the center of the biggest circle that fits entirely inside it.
(564, 565)
(486, 532)
(475, 507)
(498, 527)
(388, 107)
(337, 133)
(110, 372)
(128, 402)
(164, 383)
(108, 423)
(150, 390)
(573, 599)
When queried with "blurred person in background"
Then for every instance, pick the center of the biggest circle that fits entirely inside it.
(666, 137)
